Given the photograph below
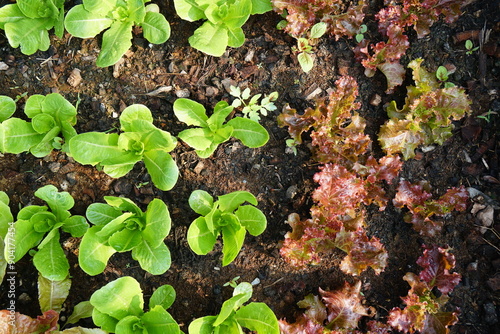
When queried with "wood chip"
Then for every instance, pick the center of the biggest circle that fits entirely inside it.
(75, 78)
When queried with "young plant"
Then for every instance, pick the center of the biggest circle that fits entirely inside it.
(226, 216)
(140, 140)
(50, 116)
(118, 18)
(39, 16)
(305, 46)
(469, 46)
(224, 20)
(424, 306)
(121, 226)
(214, 130)
(118, 308)
(361, 34)
(335, 312)
(426, 118)
(253, 108)
(39, 226)
(257, 317)
(423, 210)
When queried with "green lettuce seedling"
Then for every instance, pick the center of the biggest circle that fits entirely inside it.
(39, 226)
(257, 317)
(27, 23)
(121, 226)
(228, 217)
(140, 140)
(224, 20)
(212, 131)
(117, 17)
(50, 116)
(118, 308)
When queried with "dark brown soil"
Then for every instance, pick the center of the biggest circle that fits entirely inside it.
(281, 181)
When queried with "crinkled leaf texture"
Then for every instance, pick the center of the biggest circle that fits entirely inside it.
(303, 14)
(23, 324)
(423, 210)
(423, 311)
(426, 117)
(336, 310)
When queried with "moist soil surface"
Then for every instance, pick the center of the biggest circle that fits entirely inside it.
(282, 181)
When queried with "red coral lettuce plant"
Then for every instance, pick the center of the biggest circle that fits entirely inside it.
(427, 115)
(348, 179)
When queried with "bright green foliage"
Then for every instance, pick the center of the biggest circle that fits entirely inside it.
(224, 19)
(228, 217)
(52, 294)
(212, 131)
(426, 118)
(27, 23)
(50, 116)
(39, 226)
(118, 308)
(140, 140)
(257, 317)
(117, 17)
(253, 108)
(121, 226)
(305, 46)
(6, 234)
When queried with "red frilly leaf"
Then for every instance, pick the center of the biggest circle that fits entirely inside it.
(436, 263)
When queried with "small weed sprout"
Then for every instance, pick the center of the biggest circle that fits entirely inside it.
(442, 74)
(253, 108)
(360, 35)
(469, 46)
(487, 115)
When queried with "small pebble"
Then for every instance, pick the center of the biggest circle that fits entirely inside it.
(182, 93)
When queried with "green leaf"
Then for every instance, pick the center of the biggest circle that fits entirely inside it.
(158, 223)
(201, 202)
(123, 204)
(230, 202)
(241, 294)
(115, 42)
(159, 140)
(235, 37)
(31, 34)
(18, 136)
(156, 261)
(252, 219)
(237, 14)
(190, 112)
(7, 107)
(202, 325)
(258, 317)
(59, 202)
(10, 13)
(250, 132)
(164, 296)
(191, 10)
(232, 241)
(101, 214)
(162, 168)
(197, 138)
(3, 261)
(318, 30)
(80, 311)
(37, 8)
(208, 152)
(25, 238)
(155, 28)
(159, 321)
(119, 298)
(200, 239)
(136, 11)
(100, 7)
(210, 39)
(94, 255)
(104, 321)
(119, 166)
(5, 216)
(91, 148)
(76, 226)
(52, 294)
(114, 226)
(61, 109)
(261, 6)
(132, 113)
(305, 61)
(129, 325)
(125, 239)
(51, 261)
